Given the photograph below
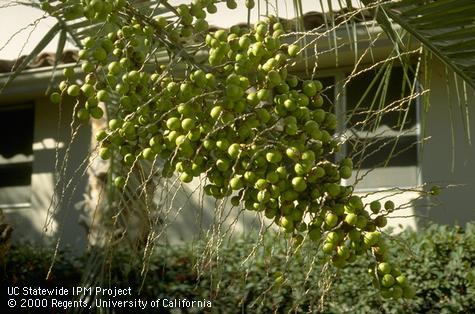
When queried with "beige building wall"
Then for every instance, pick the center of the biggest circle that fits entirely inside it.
(448, 156)
(50, 217)
(442, 161)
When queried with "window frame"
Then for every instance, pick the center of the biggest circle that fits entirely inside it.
(340, 107)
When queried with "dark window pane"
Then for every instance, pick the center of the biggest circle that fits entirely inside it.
(16, 174)
(378, 152)
(382, 104)
(16, 132)
(16, 154)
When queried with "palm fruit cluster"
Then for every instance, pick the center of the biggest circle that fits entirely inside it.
(259, 134)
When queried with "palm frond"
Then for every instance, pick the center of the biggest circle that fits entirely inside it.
(77, 29)
(445, 27)
(33, 54)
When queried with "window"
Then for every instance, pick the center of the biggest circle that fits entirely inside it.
(382, 143)
(16, 155)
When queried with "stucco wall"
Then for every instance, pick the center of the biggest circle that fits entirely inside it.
(41, 221)
(195, 216)
(448, 158)
(438, 154)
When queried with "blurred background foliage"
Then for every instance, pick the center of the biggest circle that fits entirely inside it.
(439, 261)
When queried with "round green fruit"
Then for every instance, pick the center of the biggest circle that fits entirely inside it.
(115, 124)
(396, 292)
(187, 124)
(384, 268)
(274, 78)
(148, 154)
(231, 4)
(235, 200)
(263, 94)
(101, 135)
(55, 98)
(361, 222)
(331, 220)
(380, 221)
(409, 292)
(260, 184)
(351, 219)
(186, 177)
(343, 252)
(216, 112)
(222, 144)
(333, 237)
(129, 159)
(375, 207)
(315, 234)
(74, 90)
(233, 150)
(286, 223)
(309, 88)
(236, 183)
(173, 123)
(96, 112)
(355, 202)
(119, 182)
(279, 280)
(328, 248)
(299, 184)
(87, 90)
(345, 172)
(274, 157)
(83, 114)
(387, 281)
(222, 165)
(102, 95)
(372, 238)
(389, 206)
(99, 54)
(292, 153)
(293, 50)
(402, 281)
(333, 189)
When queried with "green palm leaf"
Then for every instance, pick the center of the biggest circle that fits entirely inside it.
(77, 29)
(445, 27)
(34, 53)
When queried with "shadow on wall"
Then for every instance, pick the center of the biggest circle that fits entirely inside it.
(447, 157)
(66, 187)
(192, 215)
(72, 185)
(23, 227)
